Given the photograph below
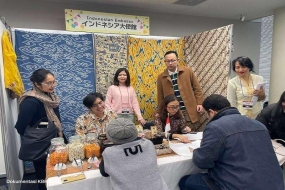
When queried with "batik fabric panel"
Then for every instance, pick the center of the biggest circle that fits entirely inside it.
(70, 58)
(208, 54)
(145, 63)
(111, 54)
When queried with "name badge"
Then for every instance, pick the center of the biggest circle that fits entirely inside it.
(125, 110)
(247, 104)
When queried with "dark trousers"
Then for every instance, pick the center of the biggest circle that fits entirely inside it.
(197, 182)
(40, 168)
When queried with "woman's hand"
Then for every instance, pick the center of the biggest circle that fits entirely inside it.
(186, 130)
(142, 121)
(260, 93)
(183, 138)
(156, 115)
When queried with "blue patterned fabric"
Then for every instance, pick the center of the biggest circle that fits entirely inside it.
(70, 58)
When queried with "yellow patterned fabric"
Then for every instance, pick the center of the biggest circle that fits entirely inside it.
(12, 77)
(145, 63)
(208, 54)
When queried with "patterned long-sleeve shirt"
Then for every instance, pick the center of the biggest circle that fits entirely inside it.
(90, 123)
(176, 125)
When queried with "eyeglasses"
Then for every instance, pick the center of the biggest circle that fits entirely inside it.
(174, 107)
(96, 105)
(49, 84)
(170, 61)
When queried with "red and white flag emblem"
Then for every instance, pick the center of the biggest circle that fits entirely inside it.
(167, 126)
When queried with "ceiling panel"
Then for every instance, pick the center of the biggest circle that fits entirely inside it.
(226, 9)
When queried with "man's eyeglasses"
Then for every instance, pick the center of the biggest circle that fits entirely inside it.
(96, 105)
(174, 107)
(170, 61)
(49, 84)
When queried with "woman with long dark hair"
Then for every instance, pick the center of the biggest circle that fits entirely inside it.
(170, 106)
(121, 97)
(273, 117)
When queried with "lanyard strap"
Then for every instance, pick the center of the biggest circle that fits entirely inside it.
(248, 85)
(122, 96)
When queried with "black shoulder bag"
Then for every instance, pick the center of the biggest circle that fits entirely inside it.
(35, 142)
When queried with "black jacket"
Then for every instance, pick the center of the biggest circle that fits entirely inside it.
(32, 110)
(268, 118)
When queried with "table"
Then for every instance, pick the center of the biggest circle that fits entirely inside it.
(172, 168)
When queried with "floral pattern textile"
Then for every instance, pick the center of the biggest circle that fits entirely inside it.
(145, 63)
(90, 123)
(208, 54)
(111, 54)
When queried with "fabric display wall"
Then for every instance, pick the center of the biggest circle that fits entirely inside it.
(110, 55)
(70, 57)
(208, 54)
(145, 63)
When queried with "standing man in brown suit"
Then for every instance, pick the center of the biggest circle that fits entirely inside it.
(182, 82)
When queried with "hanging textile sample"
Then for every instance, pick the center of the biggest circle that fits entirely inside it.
(208, 54)
(70, 58)
(145, 63)
(12, 77)
(110, 55)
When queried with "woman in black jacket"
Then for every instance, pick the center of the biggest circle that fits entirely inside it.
(36, 104)
(273, 117)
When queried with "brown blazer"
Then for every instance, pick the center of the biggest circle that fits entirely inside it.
(189, 88)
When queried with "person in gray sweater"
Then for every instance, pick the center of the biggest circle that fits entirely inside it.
(131, 163)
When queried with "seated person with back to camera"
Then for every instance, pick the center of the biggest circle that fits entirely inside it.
(123, 162)
(273, 117)
(236, 150)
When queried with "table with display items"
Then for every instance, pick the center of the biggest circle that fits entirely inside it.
(172, 168)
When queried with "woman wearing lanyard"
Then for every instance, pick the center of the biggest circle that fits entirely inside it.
(122, 98)
(241, 90)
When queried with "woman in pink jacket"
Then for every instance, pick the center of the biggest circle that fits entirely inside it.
(122, 98)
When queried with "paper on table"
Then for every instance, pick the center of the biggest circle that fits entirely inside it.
(258, 86)
(192, 137)
(180, 149)
(194, 144)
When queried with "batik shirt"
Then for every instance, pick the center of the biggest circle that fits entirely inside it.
(176, 125)
(90, 123)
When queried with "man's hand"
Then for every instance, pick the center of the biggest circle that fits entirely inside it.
(200, 109)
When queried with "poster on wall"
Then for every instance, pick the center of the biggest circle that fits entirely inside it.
(86, 21)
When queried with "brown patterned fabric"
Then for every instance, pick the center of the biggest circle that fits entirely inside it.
(111, 54)
(208, 54)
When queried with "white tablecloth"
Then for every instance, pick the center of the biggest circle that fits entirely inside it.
(171, 168)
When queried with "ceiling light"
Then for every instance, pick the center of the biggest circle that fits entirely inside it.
(189, 2)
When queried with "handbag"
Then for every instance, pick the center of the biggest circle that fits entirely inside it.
(279, 150)
(35, 142)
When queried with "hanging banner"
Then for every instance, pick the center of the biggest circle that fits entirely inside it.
(77, 20)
